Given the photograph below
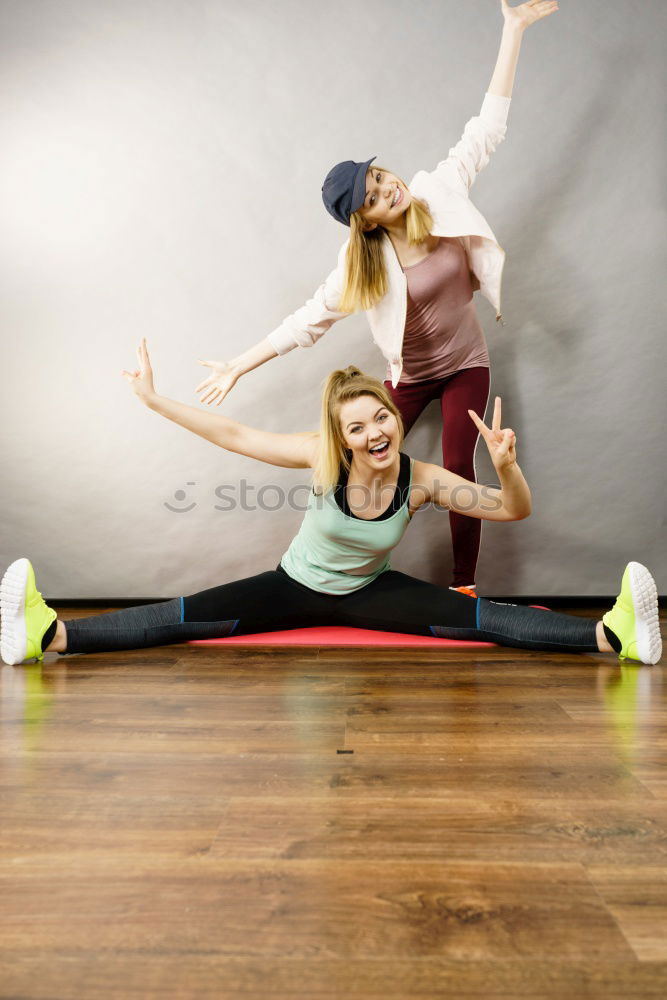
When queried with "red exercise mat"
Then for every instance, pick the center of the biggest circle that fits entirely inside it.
(336, 635)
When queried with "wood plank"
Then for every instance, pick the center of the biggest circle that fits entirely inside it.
(636, 895)
(73, 974)
(373, 909)
(503, 829)
(595, 776)
(223, 736)
(52, 821)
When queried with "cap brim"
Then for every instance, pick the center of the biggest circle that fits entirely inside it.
(359, 190)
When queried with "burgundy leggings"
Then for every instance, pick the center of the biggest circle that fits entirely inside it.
(464, 390)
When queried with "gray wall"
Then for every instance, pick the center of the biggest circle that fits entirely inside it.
(160, 175)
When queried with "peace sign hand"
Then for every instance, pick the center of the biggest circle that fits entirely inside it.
(141, 379)
(500, 442)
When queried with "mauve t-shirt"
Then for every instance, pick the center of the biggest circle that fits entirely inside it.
(442, 330)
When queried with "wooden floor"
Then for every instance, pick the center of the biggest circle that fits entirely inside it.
(181, 822)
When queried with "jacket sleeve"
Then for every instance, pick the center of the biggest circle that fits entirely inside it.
(305, 327)
(481, 136)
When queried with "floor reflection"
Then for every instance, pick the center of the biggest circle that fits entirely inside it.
(26, 702)
(632, 698)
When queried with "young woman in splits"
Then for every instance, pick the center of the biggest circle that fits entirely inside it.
(336, 571)
(415, 255)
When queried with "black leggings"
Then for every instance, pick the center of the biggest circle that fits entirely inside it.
(273, 601)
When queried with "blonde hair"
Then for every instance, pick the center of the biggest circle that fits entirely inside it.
(340, 387)
(365, 271)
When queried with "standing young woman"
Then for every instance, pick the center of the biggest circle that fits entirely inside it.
(415, 255)
(337, 570)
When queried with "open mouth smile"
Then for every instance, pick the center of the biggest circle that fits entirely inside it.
(379, 450)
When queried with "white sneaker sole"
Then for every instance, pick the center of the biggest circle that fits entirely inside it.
(13, 637)
(647, 622)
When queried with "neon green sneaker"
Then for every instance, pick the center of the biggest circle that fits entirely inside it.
(24, 616)
(634, 617)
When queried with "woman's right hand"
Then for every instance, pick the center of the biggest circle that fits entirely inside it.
(141, 378)
(501, 442)
(214, 388)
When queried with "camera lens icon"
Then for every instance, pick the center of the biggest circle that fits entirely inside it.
(180, 496)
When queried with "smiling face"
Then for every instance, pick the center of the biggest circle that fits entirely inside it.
(371, 432)
(387, 198)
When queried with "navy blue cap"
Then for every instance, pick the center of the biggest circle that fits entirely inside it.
(344, 189)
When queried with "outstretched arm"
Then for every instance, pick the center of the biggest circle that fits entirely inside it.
(517, 19)
(484, 132)
(292, 451)
(302, 329)
(226, 374)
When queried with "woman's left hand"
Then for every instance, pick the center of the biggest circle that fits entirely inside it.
(141, 379)
(500, 442)
(527, 13)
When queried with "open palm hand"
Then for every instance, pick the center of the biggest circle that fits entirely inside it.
(527, 13)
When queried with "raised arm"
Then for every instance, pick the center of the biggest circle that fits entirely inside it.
(516, 20)
(292, 451)
(484, 132)
(510, 502)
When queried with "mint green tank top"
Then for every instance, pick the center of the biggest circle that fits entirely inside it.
(337, 553)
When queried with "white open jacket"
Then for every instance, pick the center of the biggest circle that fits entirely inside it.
(446, 191)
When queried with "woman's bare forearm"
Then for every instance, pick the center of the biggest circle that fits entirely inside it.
(289, 451)
(515, 492)
(253, 357)
(216, 428)
(502, 80)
